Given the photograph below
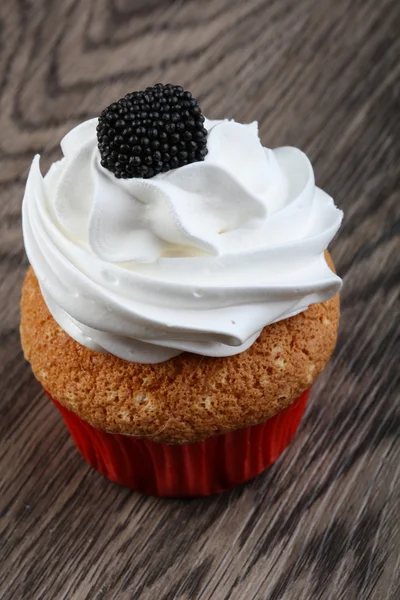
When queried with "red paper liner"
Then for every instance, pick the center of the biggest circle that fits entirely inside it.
(198, 469)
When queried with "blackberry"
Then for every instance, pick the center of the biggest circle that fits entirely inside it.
(151, 132)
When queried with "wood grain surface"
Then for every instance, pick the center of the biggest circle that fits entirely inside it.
(323, 522)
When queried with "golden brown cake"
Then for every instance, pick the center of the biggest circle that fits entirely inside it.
(189, 397)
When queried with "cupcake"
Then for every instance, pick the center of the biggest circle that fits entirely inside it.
(181, 300)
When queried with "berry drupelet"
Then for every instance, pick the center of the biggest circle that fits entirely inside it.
(153, 131)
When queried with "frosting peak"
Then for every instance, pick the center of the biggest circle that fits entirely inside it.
(199, 258)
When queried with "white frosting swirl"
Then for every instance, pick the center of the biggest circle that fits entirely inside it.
(197, 259)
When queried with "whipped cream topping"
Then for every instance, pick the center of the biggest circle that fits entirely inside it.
(197, 259)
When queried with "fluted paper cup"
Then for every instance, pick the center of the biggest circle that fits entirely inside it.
(196, 469)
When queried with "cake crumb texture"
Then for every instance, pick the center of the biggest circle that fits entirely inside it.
(189, 397)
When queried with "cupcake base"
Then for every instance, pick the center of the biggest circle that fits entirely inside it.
(198, 469)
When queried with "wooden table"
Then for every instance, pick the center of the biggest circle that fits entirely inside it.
(322, 523)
